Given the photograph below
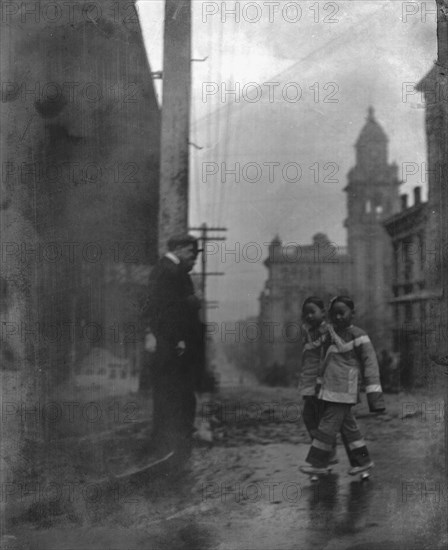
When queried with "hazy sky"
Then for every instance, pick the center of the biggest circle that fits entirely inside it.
(290, 142)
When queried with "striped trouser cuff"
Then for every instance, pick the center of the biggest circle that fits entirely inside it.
(324, 438)
(321, 445)
(356, 444)
(319, 454)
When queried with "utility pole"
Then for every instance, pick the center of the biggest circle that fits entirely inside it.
(204, 238)
(174, 163)
(206, 304)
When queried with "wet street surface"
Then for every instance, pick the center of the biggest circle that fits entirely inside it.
(245, 491)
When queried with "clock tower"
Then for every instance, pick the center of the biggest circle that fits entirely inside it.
(372, 197)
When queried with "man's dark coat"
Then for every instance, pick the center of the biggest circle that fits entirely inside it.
(172, 312)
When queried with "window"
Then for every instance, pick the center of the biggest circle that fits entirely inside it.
(407, 253)
(408, 312)
(422, 310)
(396, 253)
(421, 250)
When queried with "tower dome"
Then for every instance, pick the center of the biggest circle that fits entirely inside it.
(372, 131)
(371, 146)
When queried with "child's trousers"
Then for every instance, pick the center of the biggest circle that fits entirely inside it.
(312, 412)
(313, 409)
(337, 417)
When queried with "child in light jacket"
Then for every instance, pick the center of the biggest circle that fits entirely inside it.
(349, 358)
(314, 330)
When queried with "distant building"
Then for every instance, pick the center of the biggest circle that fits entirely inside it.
(420, 238)
(372, 197)
(296, 272)
(363, 269)
(413, 293)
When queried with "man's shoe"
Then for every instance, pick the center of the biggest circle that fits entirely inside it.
(203, 433)
(359, 469)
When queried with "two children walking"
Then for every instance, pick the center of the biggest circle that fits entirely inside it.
(337, 357)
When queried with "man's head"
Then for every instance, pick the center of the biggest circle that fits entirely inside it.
(186, 248)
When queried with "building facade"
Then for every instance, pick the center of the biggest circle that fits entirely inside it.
(296, 272)
(372, 197)
(413, 298)
(363, 270)
(420, 238)
(79, 190)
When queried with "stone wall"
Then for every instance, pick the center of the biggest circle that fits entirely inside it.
(79, 193)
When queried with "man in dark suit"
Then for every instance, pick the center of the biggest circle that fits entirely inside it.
(172, 312)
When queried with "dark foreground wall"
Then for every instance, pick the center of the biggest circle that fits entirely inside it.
(79, 174)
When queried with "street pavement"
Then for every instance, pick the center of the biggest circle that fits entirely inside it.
(245, 491)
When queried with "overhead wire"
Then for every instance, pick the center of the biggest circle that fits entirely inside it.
(216, 122)
(225, 115)
(225, 149)
(209, 124)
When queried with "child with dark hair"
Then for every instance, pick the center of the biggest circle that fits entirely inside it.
(314, 329)
(349, 358)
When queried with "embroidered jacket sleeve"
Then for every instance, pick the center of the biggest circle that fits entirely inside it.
(312, 339)
(326, 343)
(370, 373)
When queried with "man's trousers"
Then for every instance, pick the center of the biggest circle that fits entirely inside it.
(174, 405)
